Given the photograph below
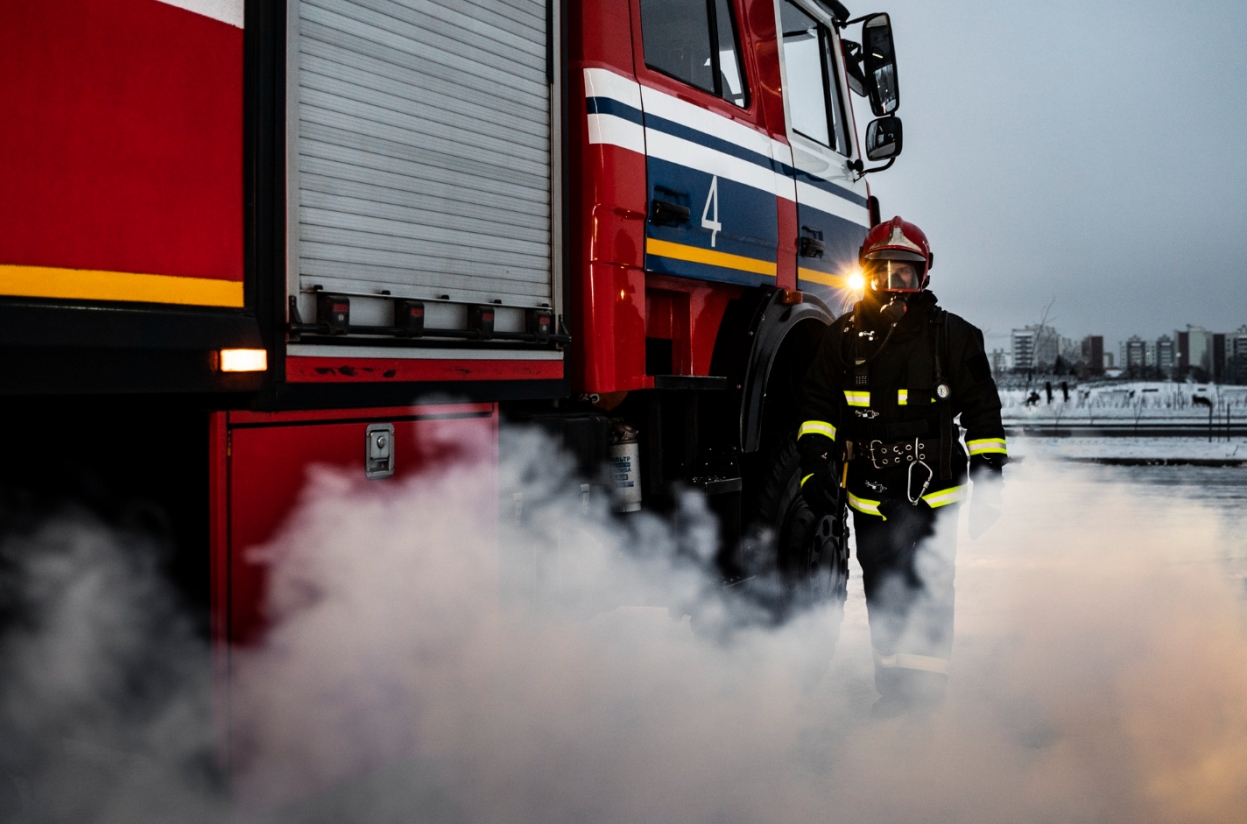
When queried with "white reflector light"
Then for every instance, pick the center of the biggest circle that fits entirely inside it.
(244, 360)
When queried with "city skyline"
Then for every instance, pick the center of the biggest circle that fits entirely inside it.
(1195, 352)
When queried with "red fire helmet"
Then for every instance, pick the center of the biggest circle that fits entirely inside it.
(895, 240)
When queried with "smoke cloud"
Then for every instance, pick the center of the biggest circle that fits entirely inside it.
(424, 664)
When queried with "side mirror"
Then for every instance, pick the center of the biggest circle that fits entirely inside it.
(884, 138)
(879, 60)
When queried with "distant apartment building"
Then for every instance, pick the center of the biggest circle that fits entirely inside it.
(1236, 349)
(1000, 361)
(1134, 355)
(1071, 352)
(1047, 348)
(1195, 352)
(1093, 353)
(1166, 355)
(1023, 349)
(1219, 358)
(1035, 347)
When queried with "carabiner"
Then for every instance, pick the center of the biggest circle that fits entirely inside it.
(909, 481)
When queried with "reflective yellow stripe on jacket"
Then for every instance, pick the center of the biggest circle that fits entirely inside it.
(864, 505)
(935, 500)
(987, 446)
(902, 397)
(817, 428)
(857, 398)
(944, 497)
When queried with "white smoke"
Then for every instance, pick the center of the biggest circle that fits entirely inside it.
(105, 708)
(421, 667)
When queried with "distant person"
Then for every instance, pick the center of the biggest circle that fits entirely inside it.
(1065, 390)
(880, 399)
(1047, 387)
(1033, 398)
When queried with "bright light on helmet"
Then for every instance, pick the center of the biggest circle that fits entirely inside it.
(856, 281)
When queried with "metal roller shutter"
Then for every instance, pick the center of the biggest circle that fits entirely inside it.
(423, 149)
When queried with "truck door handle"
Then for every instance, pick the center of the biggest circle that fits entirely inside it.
(812, 247)
(669, 214)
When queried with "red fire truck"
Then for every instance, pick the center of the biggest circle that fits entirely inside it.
(242, 237)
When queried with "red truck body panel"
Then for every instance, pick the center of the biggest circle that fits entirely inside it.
(122, 153)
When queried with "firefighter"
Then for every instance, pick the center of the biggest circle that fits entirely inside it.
(880, 404)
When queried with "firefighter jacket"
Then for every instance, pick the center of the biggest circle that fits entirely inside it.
(888, 407)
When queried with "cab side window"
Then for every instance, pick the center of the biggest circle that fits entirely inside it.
(813, 88)
(695, 41)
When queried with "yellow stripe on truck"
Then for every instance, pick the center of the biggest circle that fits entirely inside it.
(91, 284)
(822, 278)
(694, 254)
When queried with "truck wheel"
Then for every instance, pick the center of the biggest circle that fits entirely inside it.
(810, 555)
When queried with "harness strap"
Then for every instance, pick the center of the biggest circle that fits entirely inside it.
(940, 322)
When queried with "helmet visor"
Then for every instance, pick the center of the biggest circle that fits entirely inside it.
(895, 276)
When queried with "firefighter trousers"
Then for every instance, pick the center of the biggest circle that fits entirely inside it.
(907, 565)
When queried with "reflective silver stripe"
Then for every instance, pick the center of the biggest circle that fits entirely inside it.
(912, 661)
(857, 398)
(986, 446)
(817, 428)
(944, 497)
(864, 505)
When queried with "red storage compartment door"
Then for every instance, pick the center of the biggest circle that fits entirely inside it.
(270, 456)
(262, 465)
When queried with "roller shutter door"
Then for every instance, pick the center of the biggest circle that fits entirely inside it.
(423, 149)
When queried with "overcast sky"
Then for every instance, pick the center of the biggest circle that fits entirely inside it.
(1095, 152)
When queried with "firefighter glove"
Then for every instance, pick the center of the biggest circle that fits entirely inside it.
(818, 477)
(821, 491)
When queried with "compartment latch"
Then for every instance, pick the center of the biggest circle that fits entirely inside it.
(379, 451)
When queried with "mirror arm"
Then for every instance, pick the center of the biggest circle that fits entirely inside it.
(856, 20)
(857, 166)
(838, 12)
(853, 57)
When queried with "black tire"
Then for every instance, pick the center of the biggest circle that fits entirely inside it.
(808, 557)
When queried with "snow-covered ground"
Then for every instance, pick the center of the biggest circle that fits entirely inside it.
(1116, 402)
(1141, 449)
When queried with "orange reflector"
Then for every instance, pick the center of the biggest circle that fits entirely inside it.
(243, 360)
(791, 296)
